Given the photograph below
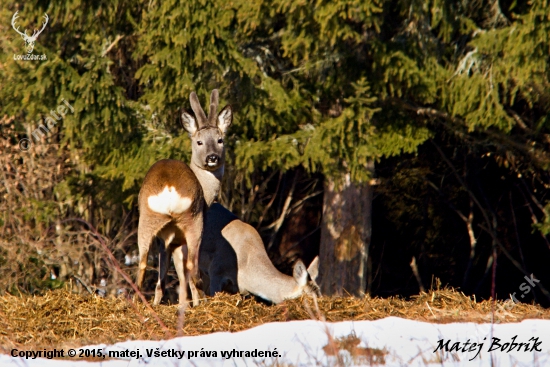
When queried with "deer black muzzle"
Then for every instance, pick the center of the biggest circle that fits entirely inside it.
(212, 160)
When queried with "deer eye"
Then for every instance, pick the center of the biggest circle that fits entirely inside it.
(199, 142)
(220, 141)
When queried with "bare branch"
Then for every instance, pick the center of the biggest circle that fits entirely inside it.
(118, 38)
(284, 213)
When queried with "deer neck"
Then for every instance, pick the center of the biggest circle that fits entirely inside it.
(210, 181)
(263, 279)
(274, 286)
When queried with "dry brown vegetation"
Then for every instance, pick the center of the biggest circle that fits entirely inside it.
(64, 319)
(42, 246)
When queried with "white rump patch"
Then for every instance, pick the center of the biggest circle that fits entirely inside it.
(169, 202)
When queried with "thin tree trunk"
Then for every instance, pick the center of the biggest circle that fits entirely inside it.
(345, 237)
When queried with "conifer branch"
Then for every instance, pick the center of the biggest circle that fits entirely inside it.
(528, 150)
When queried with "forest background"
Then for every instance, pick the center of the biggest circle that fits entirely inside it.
(404, 141)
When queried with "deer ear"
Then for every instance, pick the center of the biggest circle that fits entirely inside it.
(313, 268)
(300, 273)
(189, 123)
(225, 118)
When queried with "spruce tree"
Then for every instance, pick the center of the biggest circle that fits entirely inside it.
(332, 87)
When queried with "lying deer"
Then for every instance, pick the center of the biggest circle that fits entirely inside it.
(174, 196)
(233, 258)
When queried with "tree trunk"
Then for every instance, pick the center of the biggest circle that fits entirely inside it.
(345, 237)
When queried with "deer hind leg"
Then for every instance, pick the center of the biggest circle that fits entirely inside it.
(164, 262)
(194, 291)
(180, 256)
(189, 264)
(144, 241)
(149, 225)
(145, 237)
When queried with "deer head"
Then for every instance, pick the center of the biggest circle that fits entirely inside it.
(29, 40)
(207, 145)
(207, 133)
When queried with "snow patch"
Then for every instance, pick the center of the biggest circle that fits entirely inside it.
(301, 343)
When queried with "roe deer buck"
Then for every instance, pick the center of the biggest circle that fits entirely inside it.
(233, 258)
(173, 196)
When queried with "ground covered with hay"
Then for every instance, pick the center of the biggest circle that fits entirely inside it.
(62, 319)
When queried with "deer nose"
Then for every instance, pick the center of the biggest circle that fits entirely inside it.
(212, 159)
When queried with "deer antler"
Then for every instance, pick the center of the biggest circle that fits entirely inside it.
(13, 19)
(25, 35)
(37, 33)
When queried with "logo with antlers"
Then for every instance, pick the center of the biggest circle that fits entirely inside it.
(29, 40)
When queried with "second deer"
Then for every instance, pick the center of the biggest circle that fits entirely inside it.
(233, 259)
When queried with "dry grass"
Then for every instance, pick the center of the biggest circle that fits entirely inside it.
(64, 319)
